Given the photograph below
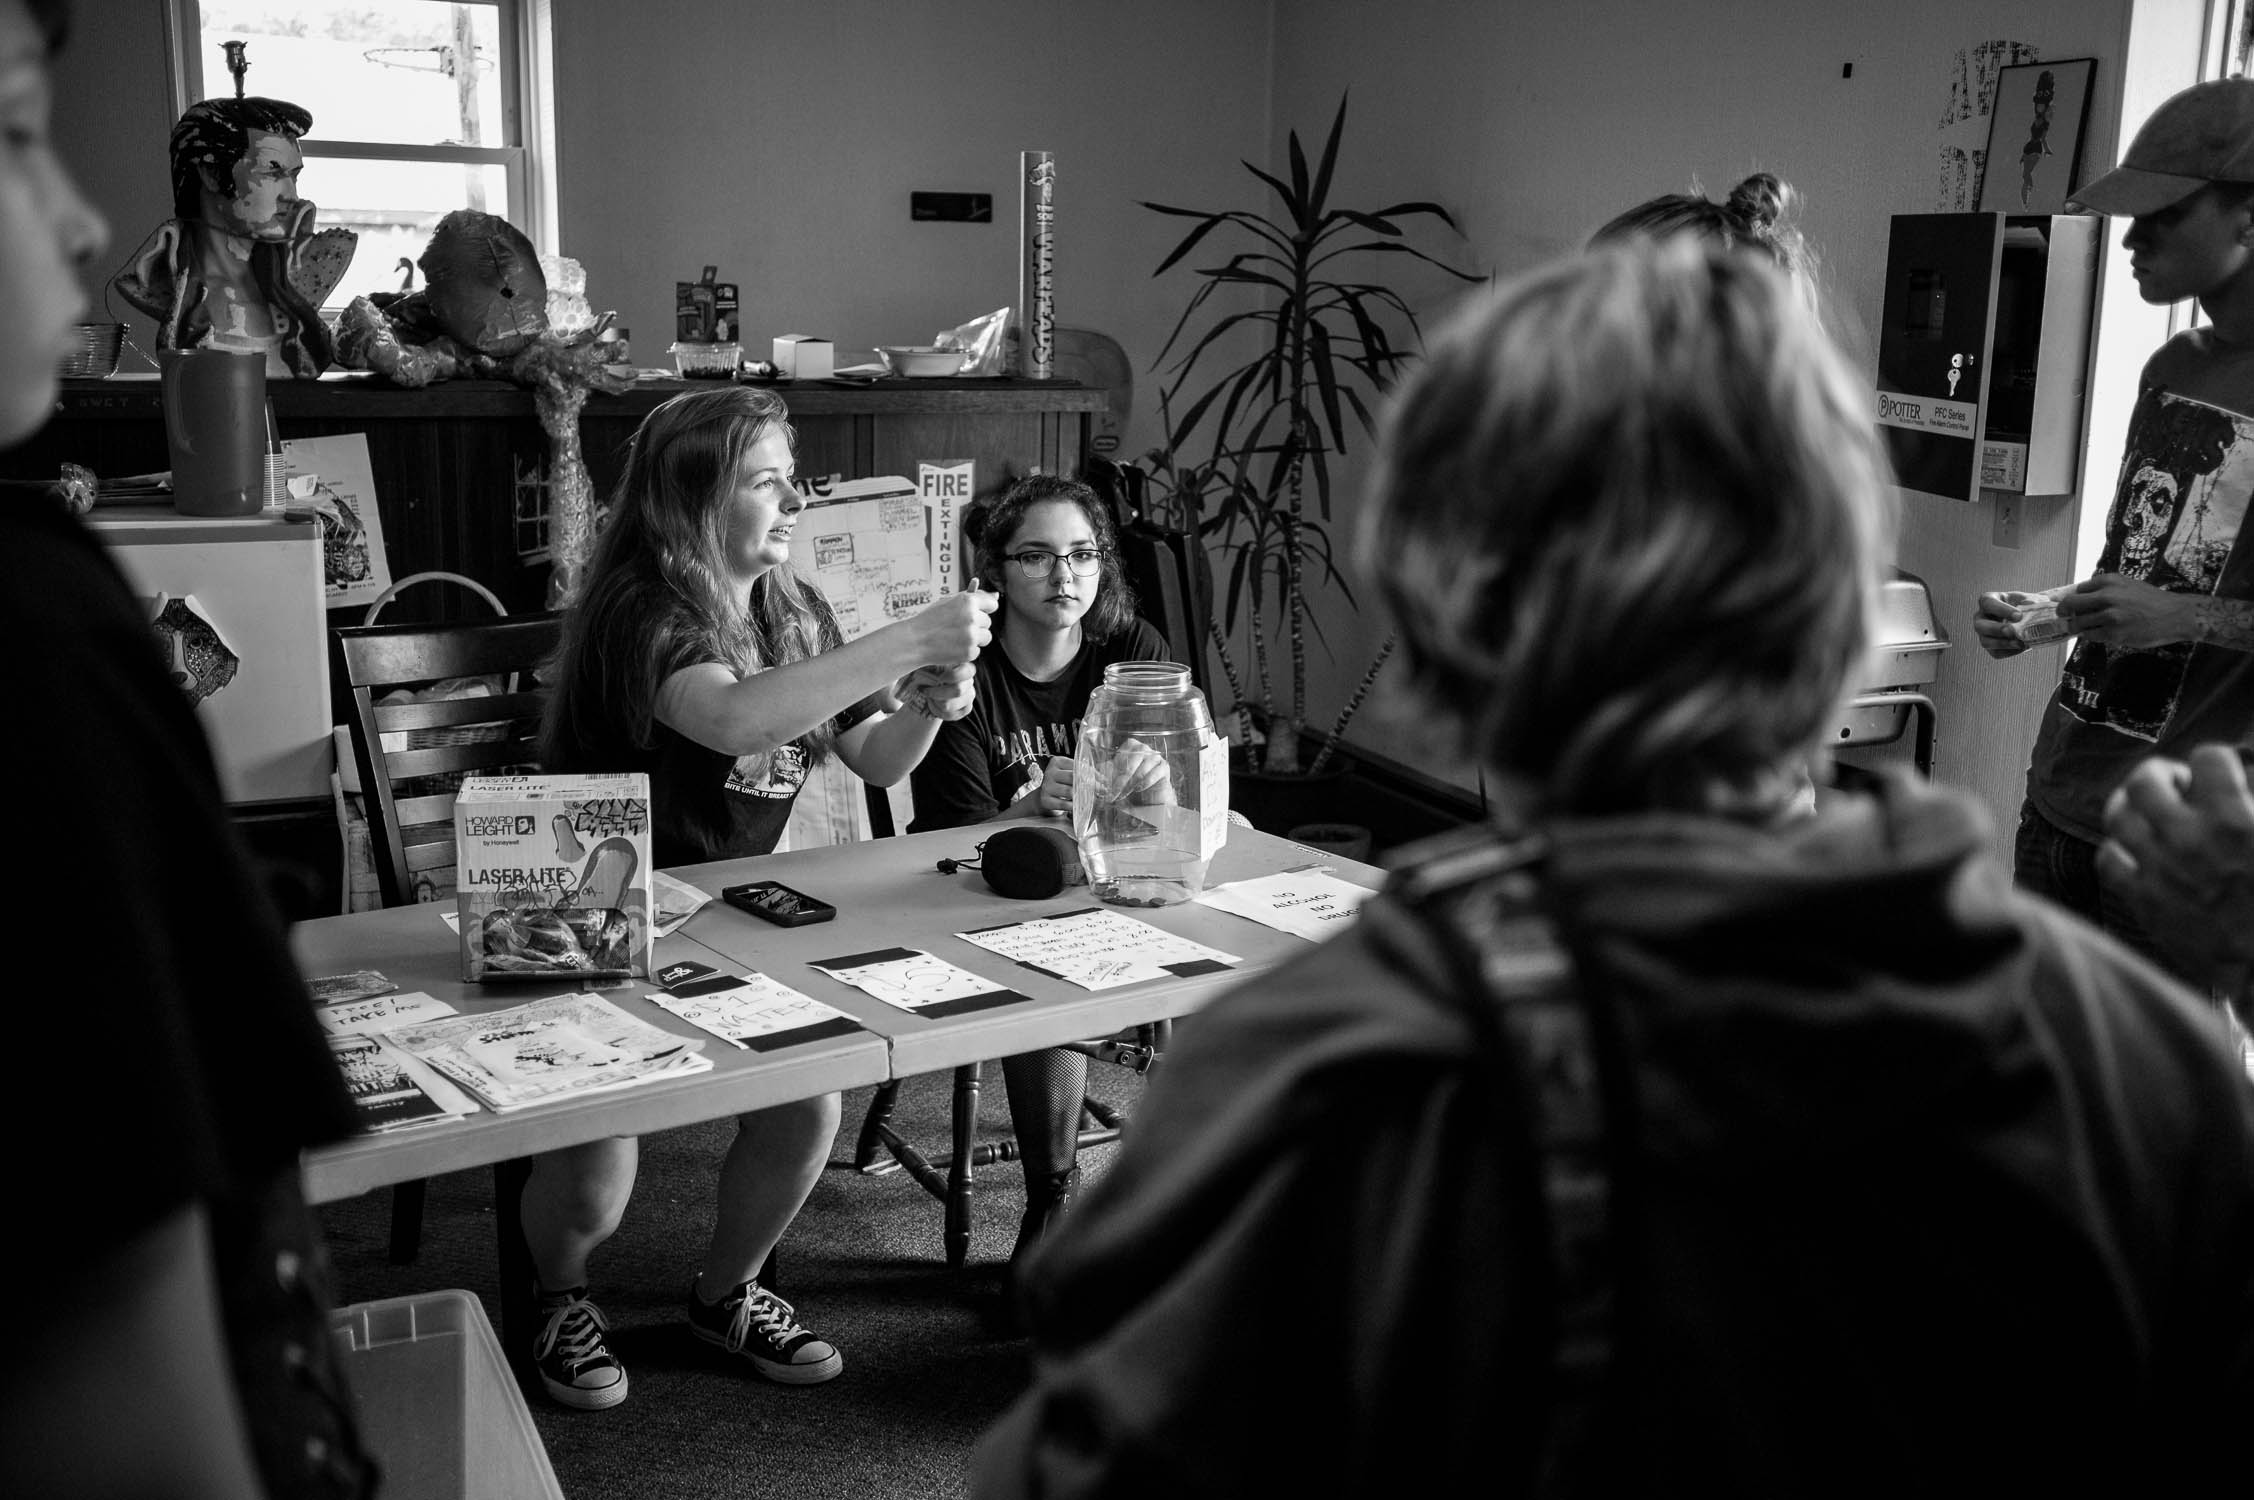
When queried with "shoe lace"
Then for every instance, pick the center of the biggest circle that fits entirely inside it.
(775, 1319)
(576, 1329)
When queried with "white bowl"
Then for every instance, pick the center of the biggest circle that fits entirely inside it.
(922, 360)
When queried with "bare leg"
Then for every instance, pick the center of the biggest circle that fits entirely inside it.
(572, 1202)
(773, 1163)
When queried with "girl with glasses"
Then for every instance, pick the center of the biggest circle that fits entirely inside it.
(1066, 614)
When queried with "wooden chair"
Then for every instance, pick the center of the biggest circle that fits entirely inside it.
(952, 1178)
(412, 756)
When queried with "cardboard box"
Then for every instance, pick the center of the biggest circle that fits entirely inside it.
(552, 876)
(801, 356)
(706, 311)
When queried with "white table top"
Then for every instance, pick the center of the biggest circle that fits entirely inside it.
(889, 895)
(413, 947)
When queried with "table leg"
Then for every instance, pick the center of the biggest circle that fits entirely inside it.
(873, 1123)
(960, 1170)
(520, 1291)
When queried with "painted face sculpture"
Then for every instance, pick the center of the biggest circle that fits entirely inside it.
(235, 166)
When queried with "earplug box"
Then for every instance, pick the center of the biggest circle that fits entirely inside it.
(553, 876)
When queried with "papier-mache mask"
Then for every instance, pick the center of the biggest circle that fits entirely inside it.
(483, 281)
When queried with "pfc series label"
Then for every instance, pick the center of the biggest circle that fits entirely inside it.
(1927, 414)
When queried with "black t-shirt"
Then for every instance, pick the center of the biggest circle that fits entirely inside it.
(168, 983)
(704, 804)
(997, 752)
(157, 977)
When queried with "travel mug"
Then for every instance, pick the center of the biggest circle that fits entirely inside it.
(215, 426)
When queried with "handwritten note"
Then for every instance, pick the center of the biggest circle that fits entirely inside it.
(755, 1012)
(1306, 904)
(358, 1017)
(1100, 949)
(918, 982)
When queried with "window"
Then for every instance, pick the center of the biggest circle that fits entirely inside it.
(419, 107)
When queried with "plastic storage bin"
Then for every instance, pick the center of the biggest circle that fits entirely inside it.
(438, 1405)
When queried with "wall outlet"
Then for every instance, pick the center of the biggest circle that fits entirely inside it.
(2007, 518)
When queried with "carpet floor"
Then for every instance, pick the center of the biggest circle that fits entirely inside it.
(931, 1357)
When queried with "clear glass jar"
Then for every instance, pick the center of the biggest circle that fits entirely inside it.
(1137, 785)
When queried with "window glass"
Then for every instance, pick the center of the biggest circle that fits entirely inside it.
(404, 72)
(393, 206)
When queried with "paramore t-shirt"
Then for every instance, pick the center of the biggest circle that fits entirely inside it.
(981, 763)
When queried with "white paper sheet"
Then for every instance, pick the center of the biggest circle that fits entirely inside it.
(381, 1012)
(1100, 949)
(563, 1046)
(354, 567)
(1306, 904)
(917, 981)
(756, 1006)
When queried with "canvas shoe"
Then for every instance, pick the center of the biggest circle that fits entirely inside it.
(574, 1361)
(760, 1326)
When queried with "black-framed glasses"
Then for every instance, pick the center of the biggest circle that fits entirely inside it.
(1036, 563)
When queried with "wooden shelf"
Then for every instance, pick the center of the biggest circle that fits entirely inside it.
(359, 397)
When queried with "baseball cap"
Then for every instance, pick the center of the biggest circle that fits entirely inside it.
(2204, 134)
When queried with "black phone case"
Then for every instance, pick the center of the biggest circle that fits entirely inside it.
(802, 910)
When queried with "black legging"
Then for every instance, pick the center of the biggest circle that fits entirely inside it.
(1045, 1089)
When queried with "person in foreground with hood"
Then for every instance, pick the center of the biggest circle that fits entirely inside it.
(1653, 1139)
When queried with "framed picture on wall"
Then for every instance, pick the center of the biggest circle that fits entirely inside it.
(2035, 136)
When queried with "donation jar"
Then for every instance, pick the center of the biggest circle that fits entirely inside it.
(1141, 779)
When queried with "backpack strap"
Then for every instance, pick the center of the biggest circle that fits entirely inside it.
(1480, 894)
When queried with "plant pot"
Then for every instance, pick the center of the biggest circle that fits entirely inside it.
(1344, 840)
(1277, 804)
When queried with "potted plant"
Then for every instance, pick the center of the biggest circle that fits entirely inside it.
(1264, 430)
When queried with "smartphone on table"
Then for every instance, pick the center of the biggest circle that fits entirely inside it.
(778, 903)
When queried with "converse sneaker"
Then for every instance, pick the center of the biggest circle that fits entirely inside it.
(574, 1362)
(760, 1326)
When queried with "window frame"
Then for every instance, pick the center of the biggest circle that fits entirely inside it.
(527, 67)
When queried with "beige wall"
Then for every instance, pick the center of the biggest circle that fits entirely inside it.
(1536, 121)
(780, 141)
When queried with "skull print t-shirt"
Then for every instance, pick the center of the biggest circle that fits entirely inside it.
(2186, 476)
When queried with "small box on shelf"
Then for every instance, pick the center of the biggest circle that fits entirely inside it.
(801, 356)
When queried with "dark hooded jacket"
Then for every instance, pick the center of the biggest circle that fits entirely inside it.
(1935, 1191)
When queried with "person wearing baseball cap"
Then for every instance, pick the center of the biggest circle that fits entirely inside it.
(2163, 652)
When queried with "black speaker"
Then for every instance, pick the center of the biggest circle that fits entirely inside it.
(1031, 861)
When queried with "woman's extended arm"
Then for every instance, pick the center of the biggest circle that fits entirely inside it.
(748, 715)
(885, 747)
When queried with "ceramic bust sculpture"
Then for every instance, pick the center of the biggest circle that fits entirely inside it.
(240, 266)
